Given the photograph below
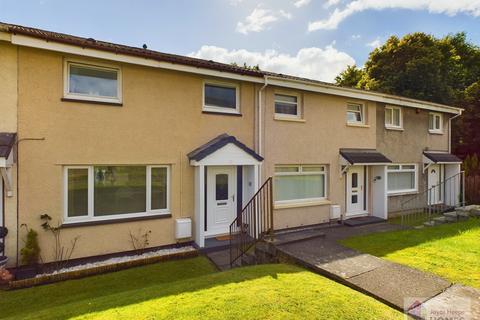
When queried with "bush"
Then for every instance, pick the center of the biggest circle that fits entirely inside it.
(31, 251)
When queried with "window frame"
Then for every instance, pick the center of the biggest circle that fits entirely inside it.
(400, 117)
(400, 170)
(85, 97)
(301, 172)
(218, 109)
(298, 115)
(90, 217)
(362, 113)
(435, 130)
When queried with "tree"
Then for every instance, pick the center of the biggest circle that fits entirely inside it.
(349, 77)
(466, 134)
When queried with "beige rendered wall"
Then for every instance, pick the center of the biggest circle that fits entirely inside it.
(317, 140)
(8, 123)
(161, 120)
(407, 146)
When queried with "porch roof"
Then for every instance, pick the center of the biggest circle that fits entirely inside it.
(441, 157)
(218, 143)
(7, 140)
(364, 156)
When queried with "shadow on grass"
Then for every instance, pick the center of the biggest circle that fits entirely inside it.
(383, 243)
(98, 293)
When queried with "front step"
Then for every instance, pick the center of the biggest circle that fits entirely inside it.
(440, 220)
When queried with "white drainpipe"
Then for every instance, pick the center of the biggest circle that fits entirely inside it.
(260, 110)
(450, 131)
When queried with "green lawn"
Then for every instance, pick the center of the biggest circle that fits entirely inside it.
(451, 251)
(192, 289)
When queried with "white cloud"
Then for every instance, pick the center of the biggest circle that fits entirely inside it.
(330, 3)
(448, 7)
(314, 63)
(260, 19)
(375, 43)
(301, 3)
(356, 36)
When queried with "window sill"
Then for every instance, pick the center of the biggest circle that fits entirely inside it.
(113, 221)
(358, 125)
(232, 114)
(401, 193)
(301, 204)
(435, 132)
(288, 119)
(106, 103)
(394, 128)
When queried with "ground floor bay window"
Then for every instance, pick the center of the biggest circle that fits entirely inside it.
(300, 183)
(112, 192)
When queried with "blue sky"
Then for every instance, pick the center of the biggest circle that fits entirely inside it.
(315, 38)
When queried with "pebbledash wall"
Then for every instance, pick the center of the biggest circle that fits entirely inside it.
(161, 120)
(407, 145)
(8, 123)
(315, 139)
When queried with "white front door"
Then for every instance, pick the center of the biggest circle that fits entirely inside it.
(221, 199)
(355, 191)
(434, 187)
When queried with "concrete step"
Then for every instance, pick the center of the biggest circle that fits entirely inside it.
(440, 220)
(451, 219)
(429, 224)
(249, 259)
(463, 214)
(475, 212)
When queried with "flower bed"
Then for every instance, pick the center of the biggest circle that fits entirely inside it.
(108, 265)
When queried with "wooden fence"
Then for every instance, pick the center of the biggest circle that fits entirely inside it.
(472, 189)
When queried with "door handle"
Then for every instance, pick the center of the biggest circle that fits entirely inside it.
(233, 198)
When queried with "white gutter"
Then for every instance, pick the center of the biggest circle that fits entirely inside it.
(316, 86)
(450, 131)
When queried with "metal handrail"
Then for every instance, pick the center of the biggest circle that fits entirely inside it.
(427, 200)
(253, 223)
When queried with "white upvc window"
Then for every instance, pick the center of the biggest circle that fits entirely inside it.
(90, 82)
(287, 105)
(393, 117)
(402, 178)
(221, 97)
(435, 122)
(106, 192)
(355, 113)
(300, 183)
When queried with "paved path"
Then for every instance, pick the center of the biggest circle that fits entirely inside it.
(389, 282)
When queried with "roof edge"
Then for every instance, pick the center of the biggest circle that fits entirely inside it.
(226, 70)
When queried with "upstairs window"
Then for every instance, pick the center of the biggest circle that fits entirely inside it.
(393, 117)
(355, 113)
(90, 82)
(220, 98)
(435, 122)
(287, 106)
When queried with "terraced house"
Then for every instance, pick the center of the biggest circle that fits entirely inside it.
(108, 139)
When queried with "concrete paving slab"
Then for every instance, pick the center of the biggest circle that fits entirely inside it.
(457, 302)
(345, 265)
(220, 258)
(393, 283)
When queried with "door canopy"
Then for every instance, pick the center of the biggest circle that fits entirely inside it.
(224, 150)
